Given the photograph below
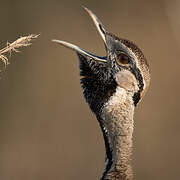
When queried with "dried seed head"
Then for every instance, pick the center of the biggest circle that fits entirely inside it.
(14, 46)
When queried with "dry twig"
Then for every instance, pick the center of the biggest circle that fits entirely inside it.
(14, 46)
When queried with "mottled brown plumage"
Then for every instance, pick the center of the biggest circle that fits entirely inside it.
(143, 64)
(113, 86)
(141, 59)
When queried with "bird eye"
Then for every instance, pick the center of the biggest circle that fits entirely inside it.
(122, 59)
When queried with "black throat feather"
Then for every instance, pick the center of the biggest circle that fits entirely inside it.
(98, 86)
(97, 89)
(97, 83)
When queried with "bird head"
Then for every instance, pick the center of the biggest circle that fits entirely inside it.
(123, 66)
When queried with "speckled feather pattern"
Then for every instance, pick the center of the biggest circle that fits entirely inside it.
(141, 60)
(112, 93)
(144, 66)
(118, 119)
(113, 86)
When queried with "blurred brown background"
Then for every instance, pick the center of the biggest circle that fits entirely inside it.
(47, 131)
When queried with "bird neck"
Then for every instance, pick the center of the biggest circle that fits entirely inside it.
(117, 125)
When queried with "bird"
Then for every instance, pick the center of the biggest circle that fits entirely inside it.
(113, 85)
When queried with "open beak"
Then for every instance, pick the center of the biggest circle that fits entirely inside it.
(102, 32)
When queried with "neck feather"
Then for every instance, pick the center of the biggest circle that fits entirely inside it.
(116, 121)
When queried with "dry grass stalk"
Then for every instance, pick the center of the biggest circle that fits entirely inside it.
(14, 46)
